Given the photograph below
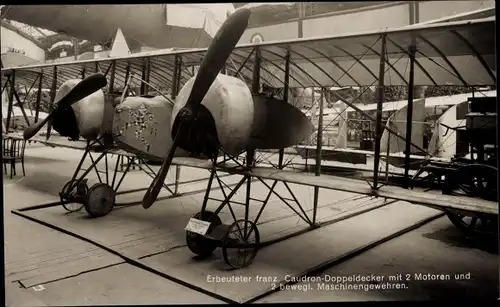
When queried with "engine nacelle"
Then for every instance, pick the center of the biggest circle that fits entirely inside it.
(84, 118)
(230, 104)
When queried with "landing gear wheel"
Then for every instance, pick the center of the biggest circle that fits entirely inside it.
(74, 196)
(481, 226)
(100, 200)
(240, 257)
(198, 244)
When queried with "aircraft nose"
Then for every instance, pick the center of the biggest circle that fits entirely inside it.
(143, 124)
(121, 119)
(117, 101)
(119, 108)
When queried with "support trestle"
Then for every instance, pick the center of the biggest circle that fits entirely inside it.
(240, 238)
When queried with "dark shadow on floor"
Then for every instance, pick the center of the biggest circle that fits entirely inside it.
(39, 160)
(452, 236)
(47, 182)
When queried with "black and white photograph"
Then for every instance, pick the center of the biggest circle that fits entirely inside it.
(249, 153)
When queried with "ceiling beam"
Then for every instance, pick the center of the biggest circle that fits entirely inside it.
(39, 31)
(15, 29)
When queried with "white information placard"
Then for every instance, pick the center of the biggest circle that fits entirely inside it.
(197, 226)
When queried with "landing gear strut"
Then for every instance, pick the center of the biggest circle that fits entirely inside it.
(239, 240)
(100, 199)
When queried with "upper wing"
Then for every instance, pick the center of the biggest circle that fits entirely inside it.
(452, 53)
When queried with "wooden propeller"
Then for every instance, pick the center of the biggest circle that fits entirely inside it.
(217, 54)
(86, 87)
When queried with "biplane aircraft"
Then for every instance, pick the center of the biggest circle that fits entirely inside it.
(219, 109)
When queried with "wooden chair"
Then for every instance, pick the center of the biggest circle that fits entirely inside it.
(12, 152)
